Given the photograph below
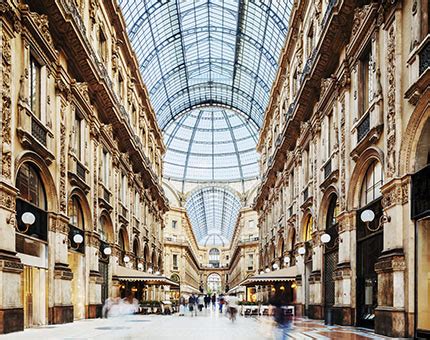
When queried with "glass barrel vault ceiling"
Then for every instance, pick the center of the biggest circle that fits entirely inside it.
(213, 212)
(207, 53)
(211, 144)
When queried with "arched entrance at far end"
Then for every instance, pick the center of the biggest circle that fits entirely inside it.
(214, 284)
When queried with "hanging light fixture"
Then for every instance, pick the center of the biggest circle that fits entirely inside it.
(107, 251)
(126, 259)
(275, 266)
(301, 251)
(28, 219)
(325, 238)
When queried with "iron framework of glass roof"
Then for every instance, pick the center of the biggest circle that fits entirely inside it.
(213, 212)
(211, 144)
(202, 62)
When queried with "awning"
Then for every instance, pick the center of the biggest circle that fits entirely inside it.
(284, 274)
(128, 274)
(237, 289)
(189, 289)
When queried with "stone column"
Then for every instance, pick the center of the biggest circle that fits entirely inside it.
(316, 310)
(11, 308)
(390, 315)
(60, 308)
(95, 280)
(343, 311)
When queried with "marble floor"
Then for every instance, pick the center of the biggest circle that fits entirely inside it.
(207, 325)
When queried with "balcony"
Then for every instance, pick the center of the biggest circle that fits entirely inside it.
(78, 173)
(367, 129)
(104, 197)
(419, 70)
(330, 171)
(33, 134)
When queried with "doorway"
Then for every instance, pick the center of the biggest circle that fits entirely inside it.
(423, 278)
(33, 295)
(369, 249)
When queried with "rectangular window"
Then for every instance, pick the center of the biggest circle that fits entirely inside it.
(102, 46)
(364, 84)
(121, 86)
(175, 261)
(136, 205)
(78, 136)
(34, 87)
(250, 263)
(329, 135)
(105, 168)
(174, 223)
(123, 189)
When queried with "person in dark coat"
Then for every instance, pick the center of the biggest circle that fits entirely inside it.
(213, 301)
(207, 300)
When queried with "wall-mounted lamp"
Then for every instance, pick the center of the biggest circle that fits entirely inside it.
(286, 259)
(267, 270)
(275, 266)
(293, 285)
(28, 219)
(150, 270)
(107, 251)
(301, 251)
(126, 259)
(140, 266)
(368, 216)
(157, 273)
(77, 240)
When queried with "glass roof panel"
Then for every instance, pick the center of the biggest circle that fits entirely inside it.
(203, 140)
(213, 212)
(195, 52)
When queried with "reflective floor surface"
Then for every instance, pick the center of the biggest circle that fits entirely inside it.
(207, 325)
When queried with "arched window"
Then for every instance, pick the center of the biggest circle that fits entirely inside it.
(136, 251)
(307, 231)
(30, 186)
(74, 210)
(121, 243)
(214, 283)
(106, 230)
(214, 254)
(332, 212)
(372, 182)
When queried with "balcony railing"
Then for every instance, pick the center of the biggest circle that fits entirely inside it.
(80, 171)
(424, 57)
(327, 169)
(363, 128)
(305, 194)
(38, 131)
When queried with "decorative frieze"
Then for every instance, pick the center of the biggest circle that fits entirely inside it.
(391, 102)
(6, 69)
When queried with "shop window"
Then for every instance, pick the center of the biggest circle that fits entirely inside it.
(35, 86)
(371, 186)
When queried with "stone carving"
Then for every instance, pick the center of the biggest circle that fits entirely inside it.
(359, 15)
(42, 23)
(6, 108)
(342, 156)
(391, 99)
(63, 204)
(95, 192)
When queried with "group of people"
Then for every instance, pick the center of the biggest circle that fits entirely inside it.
(196, 303)
(120, 307)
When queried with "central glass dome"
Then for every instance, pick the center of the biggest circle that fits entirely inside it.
(211, 144)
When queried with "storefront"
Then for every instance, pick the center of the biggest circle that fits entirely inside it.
(421, 215)
(143, 286)
(276, 287)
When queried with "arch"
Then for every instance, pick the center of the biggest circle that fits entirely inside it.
(307, 228)
(280, 247)
(123, 240)
(366, 158)
(75, 212)
(214, 282)
(30, 186)
(422, 154)
(175, 278)
(332, 212)
(45, 175)
(106, 227)
(291, 239)
(88, 218)
(154, 259)
(324, 205)
(371, 183)
(136, 246)
(412, 134)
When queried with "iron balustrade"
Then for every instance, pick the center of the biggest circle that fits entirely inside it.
(363, 128)
(424, 57)
(305, 194)
(80, 171)
(327, 169)
(38, 131)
